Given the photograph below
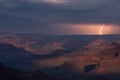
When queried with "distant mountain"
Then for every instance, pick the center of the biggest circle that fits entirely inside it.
(43, 44)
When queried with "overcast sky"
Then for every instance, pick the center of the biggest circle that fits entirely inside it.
(59, 16)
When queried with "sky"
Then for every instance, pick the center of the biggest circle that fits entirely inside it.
(60, 16)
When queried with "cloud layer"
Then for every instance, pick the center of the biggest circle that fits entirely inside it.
(42, 16)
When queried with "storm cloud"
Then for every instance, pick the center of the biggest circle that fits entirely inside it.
(41, 16)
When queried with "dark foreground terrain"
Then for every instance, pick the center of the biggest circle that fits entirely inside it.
(7, 73)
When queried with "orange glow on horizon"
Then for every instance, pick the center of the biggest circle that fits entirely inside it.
(85, 29)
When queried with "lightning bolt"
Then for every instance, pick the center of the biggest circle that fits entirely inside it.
(101, 29)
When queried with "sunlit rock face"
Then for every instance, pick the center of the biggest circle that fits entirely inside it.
(110, 66)
(99, 43)
(102, 48)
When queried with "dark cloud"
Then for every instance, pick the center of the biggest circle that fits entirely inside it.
(41, 15)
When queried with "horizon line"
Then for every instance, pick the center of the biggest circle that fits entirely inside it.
(59, 34)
